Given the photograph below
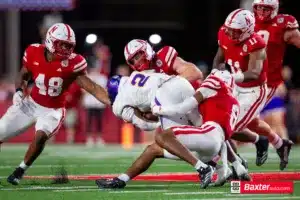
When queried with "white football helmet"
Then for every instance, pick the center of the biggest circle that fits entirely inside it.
(239, 25)
(226, 77)
(272, 4)
(60, 40)
(136, 46)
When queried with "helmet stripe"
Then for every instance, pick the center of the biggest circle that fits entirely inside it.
(68, 31)
(234, 14)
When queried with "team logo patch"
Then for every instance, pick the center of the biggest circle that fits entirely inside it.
(64, 63)
(159, 63)
(245, 48)
(280, 20)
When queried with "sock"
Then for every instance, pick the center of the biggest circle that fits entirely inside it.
(124, 177)
(277, 142)
(256, 139)
(23, 165)
(200, 164)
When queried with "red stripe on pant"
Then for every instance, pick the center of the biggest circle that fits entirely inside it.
(271, 93)
(246, 119)
(183, 130)
(59, 124)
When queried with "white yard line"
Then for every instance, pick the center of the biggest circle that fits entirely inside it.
(194, 193)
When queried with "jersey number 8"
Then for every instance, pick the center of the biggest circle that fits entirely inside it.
(54, 88)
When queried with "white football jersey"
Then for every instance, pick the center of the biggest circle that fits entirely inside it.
(138, 91)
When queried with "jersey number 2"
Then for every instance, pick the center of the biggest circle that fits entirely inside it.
(54, 88)
(139, 80)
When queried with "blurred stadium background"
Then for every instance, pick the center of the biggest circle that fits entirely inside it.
(102, 28)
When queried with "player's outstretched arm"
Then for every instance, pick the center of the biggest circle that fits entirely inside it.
(255, 65)
(22, 78)
(94, 89)
(219, 59)
(181, 108)
(187, 70)
(292, 37)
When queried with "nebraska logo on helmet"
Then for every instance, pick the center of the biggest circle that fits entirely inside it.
(60, 40)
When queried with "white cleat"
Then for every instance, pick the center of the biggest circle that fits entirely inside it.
(224, 173)
(241, 171)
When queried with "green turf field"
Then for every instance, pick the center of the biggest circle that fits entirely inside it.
(78, 160)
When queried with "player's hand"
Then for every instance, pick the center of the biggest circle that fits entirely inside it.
(18, 98)
(156, 110)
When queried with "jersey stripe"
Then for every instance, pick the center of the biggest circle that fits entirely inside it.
(80, 68)
(80, 64)
(171, 57)
(170, 49)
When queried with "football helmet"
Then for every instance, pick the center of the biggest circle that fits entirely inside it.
(239, 25)
(145, 51)
(60, 40)
(269, 11)
(225, 76)
(113, 87)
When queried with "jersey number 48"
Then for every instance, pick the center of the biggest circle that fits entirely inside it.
(54, 87)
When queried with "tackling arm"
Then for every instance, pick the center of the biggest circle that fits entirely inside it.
(219, 59)
(292, 37)
(94, 89)
(187, 69)
(22, 78)
(179, 109)
(128, 114)
(255, 65)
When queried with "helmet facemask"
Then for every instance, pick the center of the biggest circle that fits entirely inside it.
(63, 49)
(263, 13)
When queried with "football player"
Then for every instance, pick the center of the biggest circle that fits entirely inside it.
(140, 56)
(245, 51)
(53, 66)
(206, 139)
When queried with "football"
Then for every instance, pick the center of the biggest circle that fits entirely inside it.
(147, 116)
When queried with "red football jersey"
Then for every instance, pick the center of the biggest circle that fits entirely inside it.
(164, 60)
(219, 104)
(273, 34)
(51, 79)
(237, 55)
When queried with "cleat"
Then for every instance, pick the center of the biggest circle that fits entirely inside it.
(234, 175)
(240, 173)
(284, 152)
(114, 183)
(16, 176)
(262, 147)
(205, 175)
(224, 173)
(244, 162)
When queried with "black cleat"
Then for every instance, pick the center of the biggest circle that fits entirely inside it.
(262, 147)
(284, 152)
(205, 175)
(16, 176)
(114, 183)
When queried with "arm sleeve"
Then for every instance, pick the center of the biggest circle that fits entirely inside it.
(175, 109)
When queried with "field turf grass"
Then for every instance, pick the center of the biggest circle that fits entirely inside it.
(164, 180)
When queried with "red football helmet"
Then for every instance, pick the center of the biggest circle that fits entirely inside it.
(265, 10)
(138, 54)
(60, 40)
